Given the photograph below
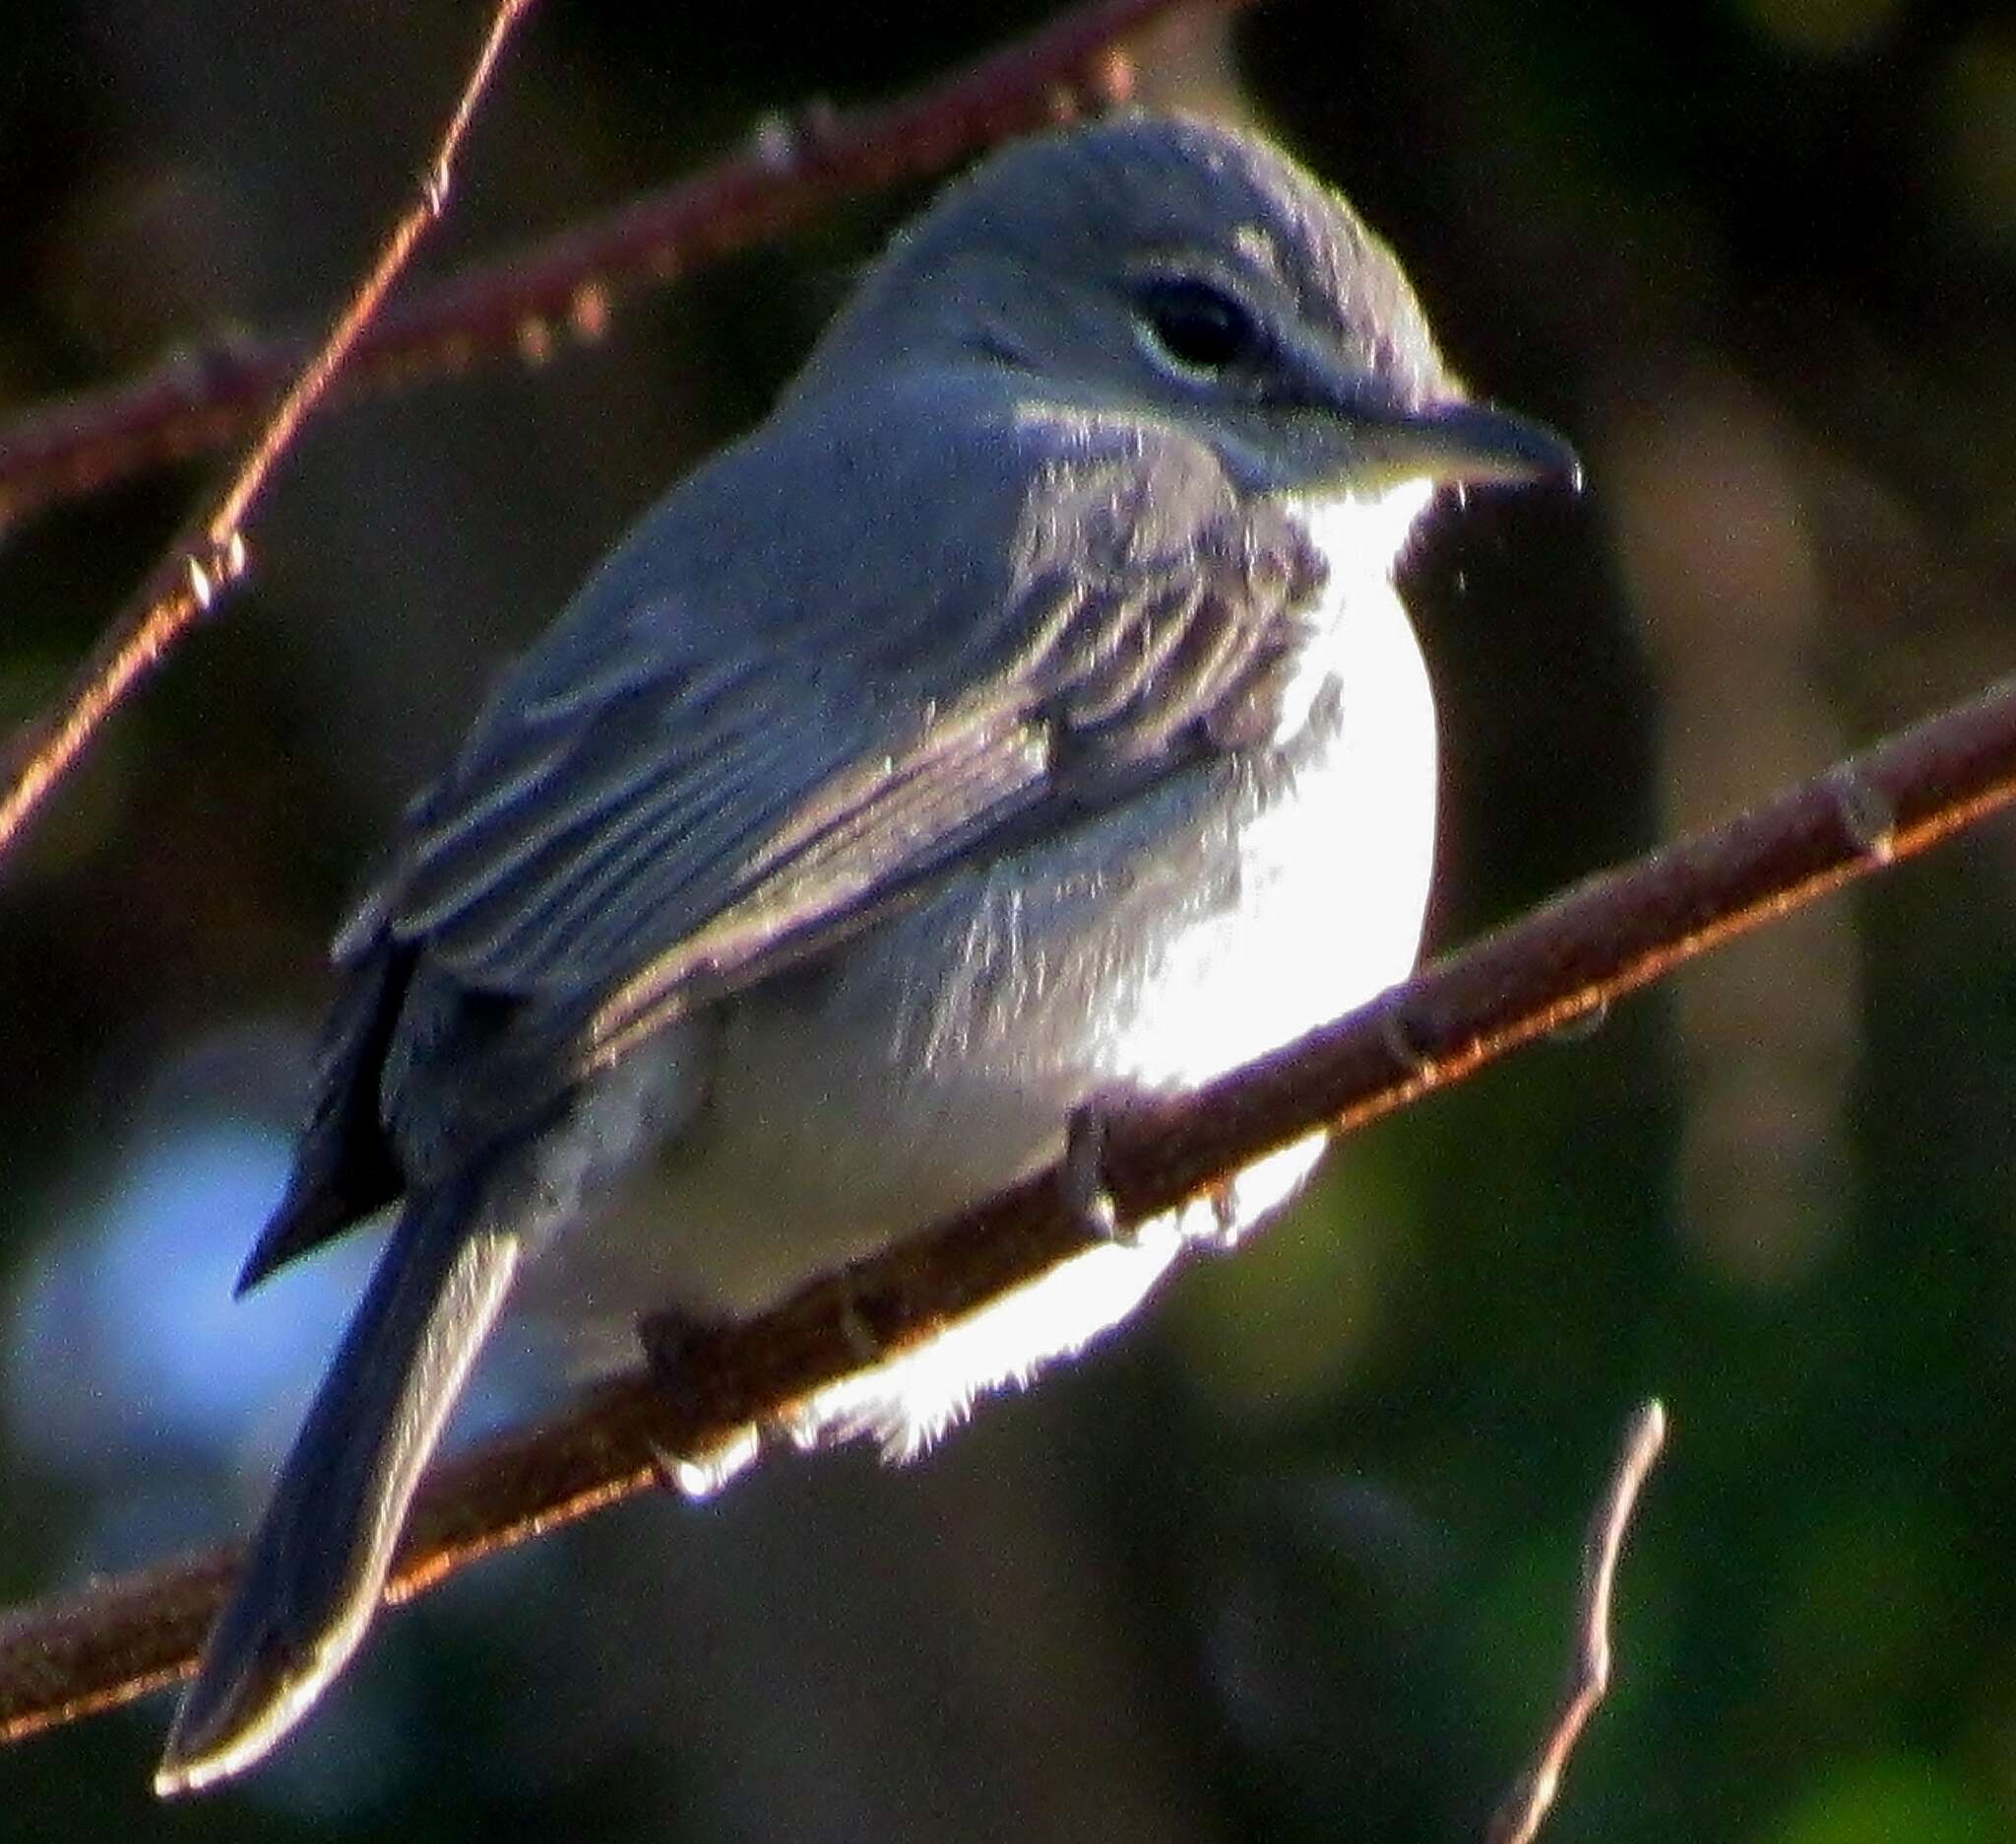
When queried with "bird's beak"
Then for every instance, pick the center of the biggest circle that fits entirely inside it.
(1458, 443)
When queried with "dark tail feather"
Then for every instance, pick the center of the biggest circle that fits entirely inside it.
(317, 1564)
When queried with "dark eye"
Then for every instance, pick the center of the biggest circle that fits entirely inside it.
(1200, 327)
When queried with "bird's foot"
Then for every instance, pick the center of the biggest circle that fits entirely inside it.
(667, 1338)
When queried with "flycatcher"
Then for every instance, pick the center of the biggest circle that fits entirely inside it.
(1024, 713)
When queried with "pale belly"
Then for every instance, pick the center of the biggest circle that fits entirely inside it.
(942, 1056)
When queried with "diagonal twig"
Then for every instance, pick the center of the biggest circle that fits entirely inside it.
(1532, 1796)
(1610, 935)
(209, 555)
(794, 168)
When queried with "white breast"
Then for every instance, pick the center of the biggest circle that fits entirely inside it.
(1336, 880)
(1333, 884)
(947, 1052)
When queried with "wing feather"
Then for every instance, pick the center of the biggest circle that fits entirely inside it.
(683, 790)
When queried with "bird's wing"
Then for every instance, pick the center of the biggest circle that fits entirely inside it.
(675, 795)
(648, 809)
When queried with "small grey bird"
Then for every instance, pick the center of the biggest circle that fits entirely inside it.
(1021, 714)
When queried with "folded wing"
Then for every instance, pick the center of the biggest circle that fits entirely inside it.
(695, 782)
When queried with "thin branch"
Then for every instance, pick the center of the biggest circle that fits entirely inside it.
(210, 555)
(1532, 1796)
(794, 167)
(1609, 936)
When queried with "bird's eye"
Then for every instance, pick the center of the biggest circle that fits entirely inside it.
(1202, 328)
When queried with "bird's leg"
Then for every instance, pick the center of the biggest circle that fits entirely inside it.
(1082, 1175)
(862, 1341)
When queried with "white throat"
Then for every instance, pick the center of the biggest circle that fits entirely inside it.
(1365, 637)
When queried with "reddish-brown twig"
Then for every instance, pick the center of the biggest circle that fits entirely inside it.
(1607, 936)
(1526, 1806)
(210, 555)
(791, 170)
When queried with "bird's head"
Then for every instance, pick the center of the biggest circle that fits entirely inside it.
(1178, 270)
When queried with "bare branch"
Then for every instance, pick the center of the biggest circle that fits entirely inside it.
(209, 555)
(793, 168)
(1532, 1796)
(1607, 936)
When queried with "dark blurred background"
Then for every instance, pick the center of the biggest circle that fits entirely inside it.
(1293, 1556)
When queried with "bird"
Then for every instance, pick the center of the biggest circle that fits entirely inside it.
(1023, 714)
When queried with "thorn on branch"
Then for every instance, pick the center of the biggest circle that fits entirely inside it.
(1109, 79)
(210, 574)
(587, 312)
(534, 341)
(1580, 1022)
(1867, 816)
(790, 141)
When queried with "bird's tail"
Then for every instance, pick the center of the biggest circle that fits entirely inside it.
(315, 1567)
